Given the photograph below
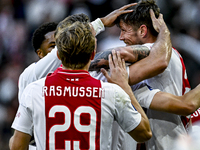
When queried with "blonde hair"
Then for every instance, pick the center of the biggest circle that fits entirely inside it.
(75, 45)
(69, 21)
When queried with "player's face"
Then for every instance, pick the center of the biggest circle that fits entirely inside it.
(128, 34)
(48, 44)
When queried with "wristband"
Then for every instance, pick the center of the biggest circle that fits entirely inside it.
(98, 26)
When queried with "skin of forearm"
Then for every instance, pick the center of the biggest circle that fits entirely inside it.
(134, 53)
(192, 99)
(180, 105)
(10, 142)
(19, 141)
(162, 48)
(170, 103)
(130, 54)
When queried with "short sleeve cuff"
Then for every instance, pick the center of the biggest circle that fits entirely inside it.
(98, 26)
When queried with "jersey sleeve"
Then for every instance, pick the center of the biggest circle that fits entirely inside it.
(98, 26)
(125, 114)
(144, 93)
(25, 78)
(23, 119)
(47, 64)
(38, 70)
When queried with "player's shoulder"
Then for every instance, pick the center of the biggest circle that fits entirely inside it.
(31, 66)
(109, 85)
(176, 52)
(39, 82)
(149, 45)
(36, 84)
(28, 70)
(175, 57)
(113, 88)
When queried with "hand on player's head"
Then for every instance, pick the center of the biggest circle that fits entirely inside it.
(109, 20)
(158, 23)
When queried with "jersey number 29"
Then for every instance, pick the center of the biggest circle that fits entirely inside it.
(91, 128)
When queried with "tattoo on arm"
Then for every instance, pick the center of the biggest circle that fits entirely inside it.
(141, 51)
(100, 60)
(138, 52)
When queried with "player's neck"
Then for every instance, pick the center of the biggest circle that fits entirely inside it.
(86, 67)
(150, 39)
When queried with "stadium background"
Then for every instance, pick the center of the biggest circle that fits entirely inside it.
(19, 18)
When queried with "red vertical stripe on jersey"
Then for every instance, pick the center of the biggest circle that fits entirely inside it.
(73, 110)
(186, 85)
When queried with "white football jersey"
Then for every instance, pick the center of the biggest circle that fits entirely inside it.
(72, 110)
(166, 126)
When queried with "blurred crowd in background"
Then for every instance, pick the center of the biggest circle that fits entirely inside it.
(19, 19)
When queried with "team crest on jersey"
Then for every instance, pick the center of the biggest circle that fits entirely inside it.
(18, 114)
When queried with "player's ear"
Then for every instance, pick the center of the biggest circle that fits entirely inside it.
(93, 55)
(143, 30)
(39, 53)
(58, 55)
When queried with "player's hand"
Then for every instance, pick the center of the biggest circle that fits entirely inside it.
(118, 73)
(108, 20)
(158, 23)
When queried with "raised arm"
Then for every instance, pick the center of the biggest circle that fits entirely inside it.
(159, 57)
(109, 20)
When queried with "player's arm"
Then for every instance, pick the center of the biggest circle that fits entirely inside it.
(130, 54)
(159, 57)
(19, 141)
(47, 64)
(119, 76)
(108, 20)
(180, 105)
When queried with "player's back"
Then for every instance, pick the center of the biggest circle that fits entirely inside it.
(166, 126)
(72, 110)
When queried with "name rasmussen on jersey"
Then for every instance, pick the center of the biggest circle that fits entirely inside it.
(94, 92)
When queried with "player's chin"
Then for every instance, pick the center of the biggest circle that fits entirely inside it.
(127, 43)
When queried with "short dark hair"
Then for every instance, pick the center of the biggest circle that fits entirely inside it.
(141, 15)
(39, 33)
